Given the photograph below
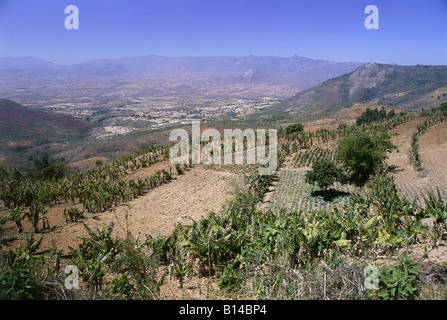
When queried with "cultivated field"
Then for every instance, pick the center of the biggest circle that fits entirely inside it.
(412, 183)
(206, 236)
(291, 192)
(188, 196)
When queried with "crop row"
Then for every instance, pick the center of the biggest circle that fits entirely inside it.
(294, 194)
(309, 156)
(418, 194)
(434, 117)
(97, 190)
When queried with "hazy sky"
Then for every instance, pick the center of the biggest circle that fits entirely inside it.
(411, 31)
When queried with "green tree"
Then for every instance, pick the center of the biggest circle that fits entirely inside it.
(361, 154)
(54, 172)
(3, 174)
(324, 173)
(369, 115)
(443, 108)
(99, 163)
(46, 169)
(293, 128)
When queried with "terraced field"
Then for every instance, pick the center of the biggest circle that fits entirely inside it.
(291, 192)
(418, 193)
(415, 184)
(294, 194)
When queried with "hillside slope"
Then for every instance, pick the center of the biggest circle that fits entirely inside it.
(24, 127)
(412, 183)
(408, 87)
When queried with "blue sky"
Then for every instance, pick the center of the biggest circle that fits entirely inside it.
(411, 31)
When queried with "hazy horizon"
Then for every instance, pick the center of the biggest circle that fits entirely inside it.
(193, 57)
(177, 57)
(411, 32)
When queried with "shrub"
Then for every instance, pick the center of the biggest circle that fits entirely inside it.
(19, 271)
(3, 174)
(73, 214)
(179, 169)
(398, 282)
(15, 279)
(120, 287)
(298, 127)
(46, 169)
(443, 108)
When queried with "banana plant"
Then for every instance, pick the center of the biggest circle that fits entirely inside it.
(16, 215)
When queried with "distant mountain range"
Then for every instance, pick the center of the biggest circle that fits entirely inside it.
(322, 86)
(26, 63)
(408, 87)
(302, 72)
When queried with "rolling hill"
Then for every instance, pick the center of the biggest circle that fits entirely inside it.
(22, 128)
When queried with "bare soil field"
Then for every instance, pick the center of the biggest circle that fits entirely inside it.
(190, 195)
(433, 149)
(412, 183)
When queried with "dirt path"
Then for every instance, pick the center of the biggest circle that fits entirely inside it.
(416, 184)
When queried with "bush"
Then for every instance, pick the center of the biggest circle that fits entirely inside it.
(398, 282)
(19, 272)
(443, 108)
(298, 127)
(47, 169)
(15, 280)
(3, 174)
(120, 287)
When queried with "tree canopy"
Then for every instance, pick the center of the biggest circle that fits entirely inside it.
(369, 115)
(361, 154)
(324, 173)
(297, 127)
